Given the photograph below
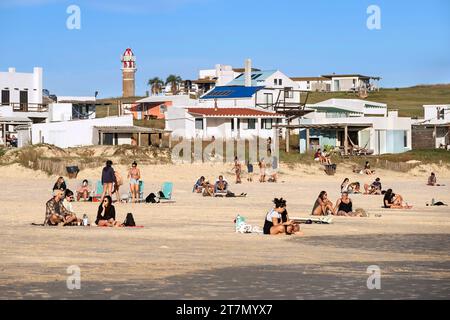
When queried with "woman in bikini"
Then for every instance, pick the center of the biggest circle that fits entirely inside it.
(134, 174)
(237, 170)
(262, 170)
(323, 206)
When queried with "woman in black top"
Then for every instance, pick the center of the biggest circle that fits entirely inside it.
(106, 214)
(108, 179)
(344, 206)
(394, 201)
(60, 184)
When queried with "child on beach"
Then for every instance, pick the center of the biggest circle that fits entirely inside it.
(250, 171)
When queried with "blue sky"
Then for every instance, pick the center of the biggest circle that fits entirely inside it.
(300, 38)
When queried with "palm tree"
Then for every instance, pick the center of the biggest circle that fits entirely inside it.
(174, 82)
(156, 85)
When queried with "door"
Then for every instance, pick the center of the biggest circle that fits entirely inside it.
(24, 100)
(336, 85)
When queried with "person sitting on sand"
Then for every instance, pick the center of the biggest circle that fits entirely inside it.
(354, 187)
(198, 186)
(237, 169)
(273, 224)
(56, 213)
(208, 189)
(83, 191)
(321, 157)
(432, 181)
(374, 188)
(67, 203)
(221, 185)
(293, 228)
(394, 201)
(60, 184)
(344, 206)
(344, 185)
(106, 214)
(323, 206)
(367, 169)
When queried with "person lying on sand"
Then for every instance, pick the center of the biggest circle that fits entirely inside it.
(106, 214)
(394, 201)
(273, 224)
(56, 213)
(344, 206)
(323, 206)
(198, 186)
(374, 188)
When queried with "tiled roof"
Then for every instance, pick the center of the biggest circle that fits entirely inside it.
(233, 112)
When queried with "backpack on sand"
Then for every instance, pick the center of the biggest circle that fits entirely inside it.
(151, 198)
(129, 221)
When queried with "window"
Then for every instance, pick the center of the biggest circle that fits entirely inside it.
(405, 139)
(266, 124)
(275, 81)
(441, 113)
(288, 93)
(268, 98)
(24, 100)
(280, 82)
(5, 97)
(251, 124)
(199, 123)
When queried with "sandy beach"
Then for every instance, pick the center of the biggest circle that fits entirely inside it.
(189, 250)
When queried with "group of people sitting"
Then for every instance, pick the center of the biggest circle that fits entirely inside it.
(355, 187)
(60, 212)
(343, 207)
(219, 188)
(321, 157)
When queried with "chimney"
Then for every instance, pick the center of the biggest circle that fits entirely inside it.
(248, 73)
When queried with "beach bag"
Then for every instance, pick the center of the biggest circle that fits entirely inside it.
(362, 212)
(151, 198)
(129, 221)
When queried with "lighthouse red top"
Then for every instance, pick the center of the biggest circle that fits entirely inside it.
(128, 59)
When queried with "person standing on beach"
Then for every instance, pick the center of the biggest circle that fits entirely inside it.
(108, 179)
(134, 174)
(262, 171)
(250, 171)
(237, 170)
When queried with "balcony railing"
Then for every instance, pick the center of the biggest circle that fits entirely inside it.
(29, 107)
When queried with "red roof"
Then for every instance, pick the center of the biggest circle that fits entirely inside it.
(233, 112)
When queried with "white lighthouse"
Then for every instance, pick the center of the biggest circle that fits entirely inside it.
(128, 73)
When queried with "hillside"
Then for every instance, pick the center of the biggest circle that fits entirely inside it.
(408, 101)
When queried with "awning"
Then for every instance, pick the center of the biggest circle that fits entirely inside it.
(326, 126)
(129, 129)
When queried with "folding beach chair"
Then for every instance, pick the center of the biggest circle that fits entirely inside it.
(166, 192)
(96, 197)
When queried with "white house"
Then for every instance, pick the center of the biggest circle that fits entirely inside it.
(355, 124)
(21, 101)
(352, 82)
(222, 123)
(313, 83)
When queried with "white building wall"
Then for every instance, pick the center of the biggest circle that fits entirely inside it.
(18, 81)
(74, 133)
